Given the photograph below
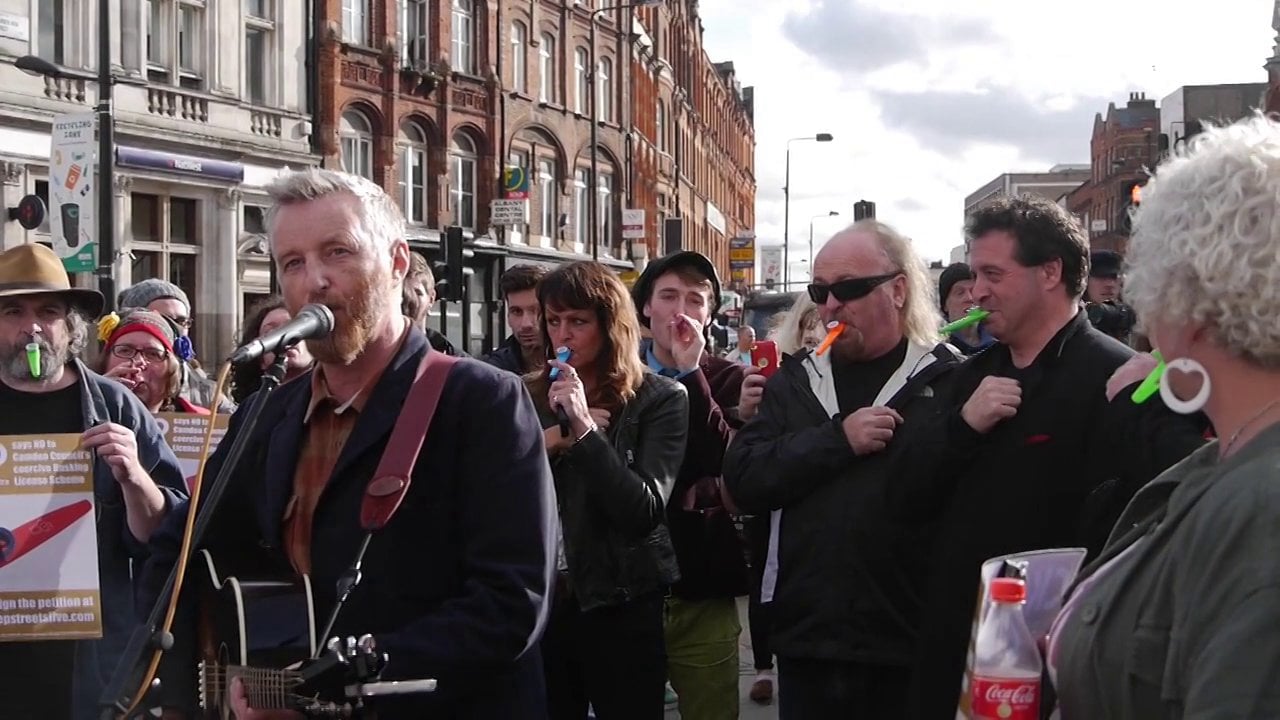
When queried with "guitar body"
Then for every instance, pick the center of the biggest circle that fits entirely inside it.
(248, 623)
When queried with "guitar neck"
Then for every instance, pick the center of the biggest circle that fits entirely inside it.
(266, 689)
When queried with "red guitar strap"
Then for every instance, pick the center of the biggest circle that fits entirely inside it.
(391, 480)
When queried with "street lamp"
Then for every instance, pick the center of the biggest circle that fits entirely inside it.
(786, 206)
(593, 192)
(106, 149)
(832, 213)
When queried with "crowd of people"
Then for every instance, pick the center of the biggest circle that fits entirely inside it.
(596, 494)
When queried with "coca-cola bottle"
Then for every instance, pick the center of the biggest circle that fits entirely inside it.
(1007, 665)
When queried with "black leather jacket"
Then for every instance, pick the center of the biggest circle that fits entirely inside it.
(612, 489)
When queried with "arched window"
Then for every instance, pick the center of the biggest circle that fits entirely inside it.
(355, 134)
(413, 172)
(462, 181)
(519, 56)
(547, 67)
(582, 91)
(547, 216)
(581, 209)
(605, 89)
(463, 32)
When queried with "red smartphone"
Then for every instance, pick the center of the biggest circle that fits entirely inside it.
(764, 356)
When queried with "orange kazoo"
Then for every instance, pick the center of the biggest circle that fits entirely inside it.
(834, 328)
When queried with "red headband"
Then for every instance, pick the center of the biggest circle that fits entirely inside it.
(135, 326)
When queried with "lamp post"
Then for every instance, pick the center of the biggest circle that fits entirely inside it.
(106, 149)
(832, 213)
(593, 192)
(786, 206)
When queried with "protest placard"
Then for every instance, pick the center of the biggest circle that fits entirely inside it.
(48, 540)
(184, 433)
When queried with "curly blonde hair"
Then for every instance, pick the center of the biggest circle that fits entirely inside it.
(1207, 236)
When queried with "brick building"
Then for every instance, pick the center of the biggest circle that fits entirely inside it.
(1125, 143)
(432, 98)
(693, 140)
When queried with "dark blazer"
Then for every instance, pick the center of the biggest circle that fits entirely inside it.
(456, 587)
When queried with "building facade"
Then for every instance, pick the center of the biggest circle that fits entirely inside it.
(1272, 102)
(693, 140)
(435, 99)
(210, 103)
(1124, 146)
(1051, 184)
(1185, 111)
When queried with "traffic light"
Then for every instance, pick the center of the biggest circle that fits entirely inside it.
(449, 286)
(864, 210)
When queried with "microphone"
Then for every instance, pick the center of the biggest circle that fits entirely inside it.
(312, 321)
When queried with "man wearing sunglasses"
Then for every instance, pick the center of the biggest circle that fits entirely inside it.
(842, 573)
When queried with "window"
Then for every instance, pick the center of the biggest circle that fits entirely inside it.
(547, 198)
(581, 212)
(661, 130)
(519, 56)
(355, 137)
(52, 43)
(176, 44)
(462, 181)
(165, 241)
(547, 69)
(582, 91)
(355, 22)
(414, 22)
(604, 194)
(259, 29)
(605, 87)
(413, 173)
(464, 32)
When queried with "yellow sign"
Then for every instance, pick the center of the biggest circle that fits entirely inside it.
(629, 277)
(48, 540)
(184, 433)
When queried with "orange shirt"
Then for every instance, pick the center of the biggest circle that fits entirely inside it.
(329, 422)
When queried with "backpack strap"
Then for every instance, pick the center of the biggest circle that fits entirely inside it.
(390, 482)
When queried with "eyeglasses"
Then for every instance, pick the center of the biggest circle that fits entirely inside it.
(182, 322)
(848, 290)
(129, 352)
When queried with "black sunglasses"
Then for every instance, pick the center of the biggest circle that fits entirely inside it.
(848, 290)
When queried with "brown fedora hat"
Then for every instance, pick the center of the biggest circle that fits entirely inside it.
(35, 270)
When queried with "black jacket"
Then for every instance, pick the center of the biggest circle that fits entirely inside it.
(457, 586)
(612, 489)
(1057, 474)
(507, 356)
(849, 575)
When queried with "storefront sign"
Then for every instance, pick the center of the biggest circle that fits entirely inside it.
(48, 540)
(183, 164)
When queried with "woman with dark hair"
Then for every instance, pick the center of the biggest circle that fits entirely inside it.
(264, 317)
(614, 469)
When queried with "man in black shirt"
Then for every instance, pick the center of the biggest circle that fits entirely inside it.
(842, 574)
(136, 476)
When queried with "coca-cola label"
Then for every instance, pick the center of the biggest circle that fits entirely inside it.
(1004, 699)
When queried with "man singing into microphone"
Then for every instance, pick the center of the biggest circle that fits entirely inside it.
(456, 587)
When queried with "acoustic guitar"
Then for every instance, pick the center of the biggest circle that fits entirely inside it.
(263, 631)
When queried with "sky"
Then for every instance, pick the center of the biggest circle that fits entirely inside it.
(928, 100)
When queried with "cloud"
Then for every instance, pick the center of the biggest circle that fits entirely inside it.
(910, 205)
(850, 36)
(951, 122)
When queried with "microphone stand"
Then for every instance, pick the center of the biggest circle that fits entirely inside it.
(148, 637)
